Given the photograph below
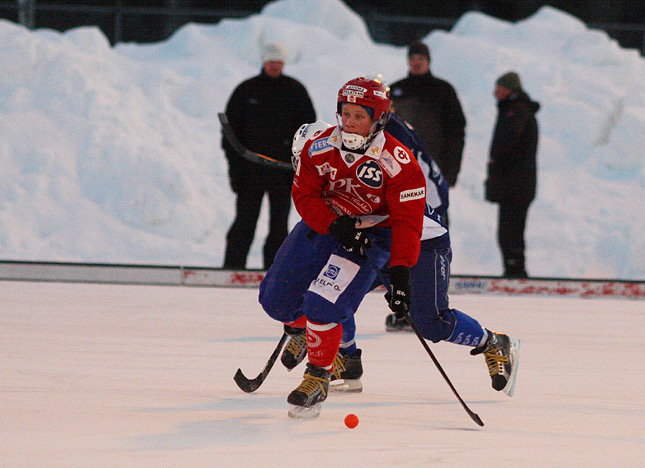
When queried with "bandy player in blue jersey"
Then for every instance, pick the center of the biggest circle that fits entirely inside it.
(430, 279)
(358, 190)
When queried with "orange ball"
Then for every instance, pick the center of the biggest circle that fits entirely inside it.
(351, 421)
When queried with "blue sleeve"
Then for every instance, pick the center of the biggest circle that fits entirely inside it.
(402, 131)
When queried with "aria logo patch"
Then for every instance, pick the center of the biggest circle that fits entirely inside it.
(413, 194)
(370, 174)
(332, 272)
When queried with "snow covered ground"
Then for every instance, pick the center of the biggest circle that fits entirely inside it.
(112, 154)
(141, 376)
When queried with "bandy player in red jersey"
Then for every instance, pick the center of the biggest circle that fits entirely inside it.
(361, 195)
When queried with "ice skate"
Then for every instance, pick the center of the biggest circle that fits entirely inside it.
(296, 348)
(502, 358)
(394, 324)
(306, 399)
(347, 372)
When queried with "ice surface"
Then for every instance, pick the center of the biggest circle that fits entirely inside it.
(134, 376)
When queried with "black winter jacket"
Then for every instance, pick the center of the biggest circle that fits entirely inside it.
(431, 106)
(512, 171)
(265, 113)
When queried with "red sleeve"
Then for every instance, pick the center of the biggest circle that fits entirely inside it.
(307, 196)
(406, 204)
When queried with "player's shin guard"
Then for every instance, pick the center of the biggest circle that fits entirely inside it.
(467, 331)
(323, 340)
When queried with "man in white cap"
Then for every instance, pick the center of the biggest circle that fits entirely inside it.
(264, 112)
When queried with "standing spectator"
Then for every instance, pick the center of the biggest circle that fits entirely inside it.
(264, 112)
(512, 169)
(431, 106)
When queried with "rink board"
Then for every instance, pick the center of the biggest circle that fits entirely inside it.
(216, 277)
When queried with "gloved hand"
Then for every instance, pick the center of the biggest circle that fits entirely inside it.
(399, 299)
(354, 240)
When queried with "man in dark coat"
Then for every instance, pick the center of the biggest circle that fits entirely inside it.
(264, 112)
(512, 169)
(432, 107)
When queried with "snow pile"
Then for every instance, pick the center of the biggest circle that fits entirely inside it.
(113, 154)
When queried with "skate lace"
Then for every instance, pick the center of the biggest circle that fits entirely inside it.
(297, 344)
(495, 361)
(311, 383)
(339, 366)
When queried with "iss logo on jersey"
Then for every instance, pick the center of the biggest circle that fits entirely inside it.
(332, 272)
(370, 174)
(412, 194)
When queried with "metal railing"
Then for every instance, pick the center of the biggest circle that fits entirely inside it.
(119, 22)
(401, 30)
(122, 23)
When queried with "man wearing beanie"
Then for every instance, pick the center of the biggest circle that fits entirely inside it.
(264, 112)
(512, 172)
(431, 106)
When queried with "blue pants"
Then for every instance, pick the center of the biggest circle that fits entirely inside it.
(429, 309)
(313, 275)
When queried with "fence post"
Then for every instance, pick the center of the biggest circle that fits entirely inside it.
(118, 19)
(26, 13)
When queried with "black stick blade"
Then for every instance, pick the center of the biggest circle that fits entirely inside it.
(251, 385)
(247, 385)
(476, 418)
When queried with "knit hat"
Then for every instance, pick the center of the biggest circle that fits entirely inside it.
(273, 52)
(419, 48)
(510, 81)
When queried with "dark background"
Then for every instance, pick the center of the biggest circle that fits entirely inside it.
(389, 21)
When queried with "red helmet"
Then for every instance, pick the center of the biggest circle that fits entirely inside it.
(368, 93)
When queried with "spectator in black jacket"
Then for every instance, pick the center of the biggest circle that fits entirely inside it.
(264, 112)
(512, 169)
(432, 107)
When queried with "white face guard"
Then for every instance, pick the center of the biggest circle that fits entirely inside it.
(353, 141)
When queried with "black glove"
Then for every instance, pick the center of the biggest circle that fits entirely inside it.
(399, 299)
(354, 240)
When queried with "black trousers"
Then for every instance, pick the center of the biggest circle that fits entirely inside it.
(242, 231)
(510, 236)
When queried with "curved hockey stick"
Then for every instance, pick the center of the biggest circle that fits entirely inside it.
(474, 416)
(251, 385)
(247, 154)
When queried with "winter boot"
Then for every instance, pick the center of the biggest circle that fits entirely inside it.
(394, 324)
(347, 372)
(502, 358)
(296, 348)
(306, 399)
(514, 267)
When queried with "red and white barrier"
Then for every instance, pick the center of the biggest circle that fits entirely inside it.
(215, 277)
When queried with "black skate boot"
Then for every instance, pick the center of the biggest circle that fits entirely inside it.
(393, 324)
(307, 398)
(502, 358)
(347, 372)
(296, 348)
